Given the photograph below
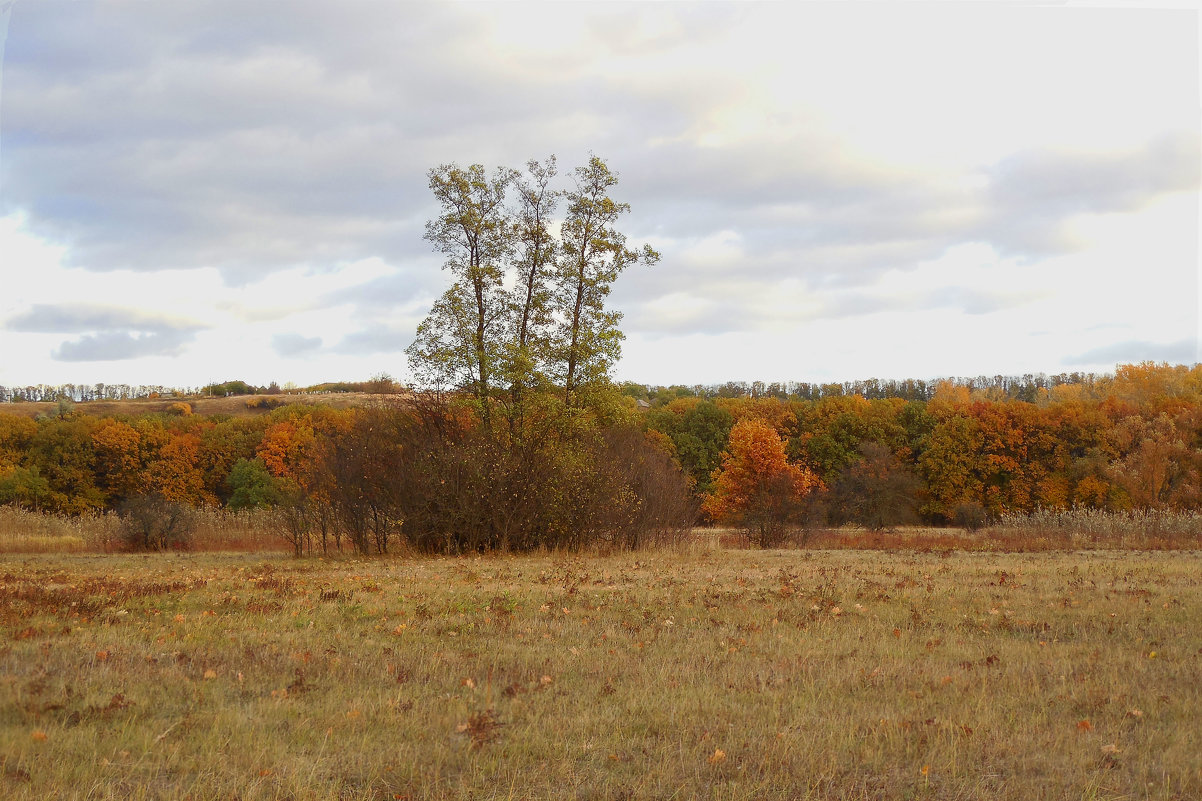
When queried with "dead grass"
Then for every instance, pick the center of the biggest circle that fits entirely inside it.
(234, 406)
(22, 531)
(705, 674)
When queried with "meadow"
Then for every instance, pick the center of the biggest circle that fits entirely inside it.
(697, 672)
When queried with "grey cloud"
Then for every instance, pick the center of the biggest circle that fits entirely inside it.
(289, 345)
(109, 333)
(253, 137)
(122, 345)
(375, 339)
(405, 288)
(1133, 351)
(77, 318)
(1031, 195)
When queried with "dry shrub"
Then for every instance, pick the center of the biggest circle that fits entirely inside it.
(1144, 529)
(971, 516)
(434, 480)
(25, 531)
(264, 403)
(151, 522)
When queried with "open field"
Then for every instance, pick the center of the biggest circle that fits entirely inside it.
(707, 674)
(234, 406)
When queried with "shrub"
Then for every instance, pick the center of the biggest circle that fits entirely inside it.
(150, 522)
(436, 480)
(265, 402)
(180, 409)
(252, 485)
(971, 516)
(877, 491)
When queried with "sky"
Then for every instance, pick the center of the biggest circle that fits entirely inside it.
(206, 191)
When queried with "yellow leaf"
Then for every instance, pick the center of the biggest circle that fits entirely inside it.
(718, 756)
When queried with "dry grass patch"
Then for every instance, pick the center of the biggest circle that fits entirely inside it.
(712, 674)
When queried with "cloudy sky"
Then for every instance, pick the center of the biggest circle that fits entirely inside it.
(196, 191)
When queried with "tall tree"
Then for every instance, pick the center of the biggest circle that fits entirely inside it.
(536, 248)
(594, 254)
(526, 307)
(458, 344)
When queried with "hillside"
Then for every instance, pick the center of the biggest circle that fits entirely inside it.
(236, 406)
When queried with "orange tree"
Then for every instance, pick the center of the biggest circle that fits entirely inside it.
(756, 488)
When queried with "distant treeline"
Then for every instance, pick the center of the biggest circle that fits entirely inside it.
(1129, 440)
(1023, 388)
(51, 393)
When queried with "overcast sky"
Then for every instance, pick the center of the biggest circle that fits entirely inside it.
(198, 191)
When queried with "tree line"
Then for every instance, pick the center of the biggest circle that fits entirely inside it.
(381, 383)
(1129, 441)
(1027, 387)
(430, 468)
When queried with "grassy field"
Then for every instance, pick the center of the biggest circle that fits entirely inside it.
(235, 406)
(707, 673)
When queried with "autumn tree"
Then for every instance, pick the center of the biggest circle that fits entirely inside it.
(594, 254)
(527, 350)
(877, 490)
(951, 465)
(174, 474)
(118, 449)
(756, 488)
(459, 344)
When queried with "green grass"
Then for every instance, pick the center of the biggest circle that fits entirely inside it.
(713, 673)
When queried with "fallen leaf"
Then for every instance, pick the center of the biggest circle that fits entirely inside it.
(1084, 725)
(718, 756)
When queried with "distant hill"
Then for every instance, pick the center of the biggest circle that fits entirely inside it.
(234, 406)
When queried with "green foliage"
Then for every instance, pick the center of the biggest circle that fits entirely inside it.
(526, 308)
(950, 463)
(252, 486)
(63, 453)
(229, 388)
(699, 432)
(25, 488)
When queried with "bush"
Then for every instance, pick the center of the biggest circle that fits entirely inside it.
(435, 480)
(252, 485)
(180, 409)
(152, 523)
(971, 516)
(264, 402)
(876, 492)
